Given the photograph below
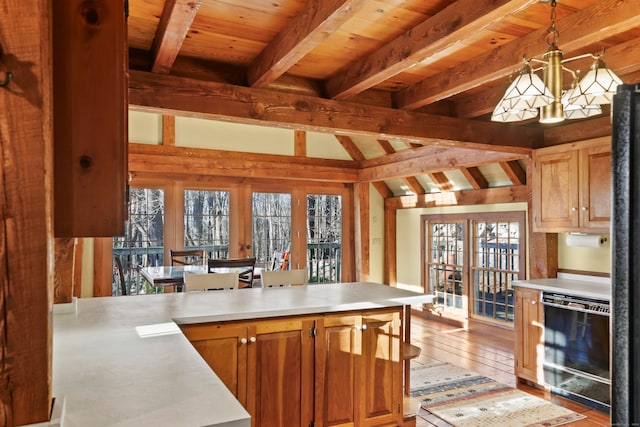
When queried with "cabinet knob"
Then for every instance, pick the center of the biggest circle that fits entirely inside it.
(252, 339)
(584, 208)
(243, 341)
(533, 302)
(364, 327)
(573, 209)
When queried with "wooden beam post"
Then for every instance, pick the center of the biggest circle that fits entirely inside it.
(390, 235)
(90, 106)
(362, 232)
(26, 218)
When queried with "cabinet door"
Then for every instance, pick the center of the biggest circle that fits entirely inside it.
(379, 380)
(595, 191)
(529, 329)
(280, 372)
(224, 348)
(555, 191)
(337, 351)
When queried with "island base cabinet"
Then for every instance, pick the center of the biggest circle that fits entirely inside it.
(529, 329)
(333, 370)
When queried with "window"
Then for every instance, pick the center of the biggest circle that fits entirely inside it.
(271, 225)
(475, 258)
(143, 242)
(324, 239)
(206, 221)
(446, 262)
(496, 264)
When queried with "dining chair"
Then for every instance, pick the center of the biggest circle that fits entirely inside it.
(211, 281)
(245, 267)
(271, 279)
(123, 283)
(188, 257)
(280, 261)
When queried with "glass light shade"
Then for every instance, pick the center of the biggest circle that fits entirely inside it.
(501, 114)
(597, 87)
(573, 111)
(526, 92)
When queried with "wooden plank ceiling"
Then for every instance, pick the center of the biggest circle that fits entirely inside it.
(384, 76)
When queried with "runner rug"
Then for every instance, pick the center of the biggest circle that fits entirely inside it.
(466, 399)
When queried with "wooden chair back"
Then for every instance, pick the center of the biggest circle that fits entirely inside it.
(188, 257)
(123, 283)
(284, 278)
(280, 261)
(211, 281)
(245, 268)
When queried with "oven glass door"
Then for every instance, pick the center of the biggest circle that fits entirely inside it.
(577, 354)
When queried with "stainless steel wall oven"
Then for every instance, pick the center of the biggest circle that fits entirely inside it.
(576, 349)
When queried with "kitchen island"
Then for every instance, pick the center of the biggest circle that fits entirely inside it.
(124, 360)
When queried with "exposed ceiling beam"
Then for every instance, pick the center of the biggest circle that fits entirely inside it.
(578, 30)
(441, 181)
(514, 171)
(175, 22)
(410, 181)
(219, 101)
(578, 131)
(475, 177)
(356, 154)
(512, 194)
(426, 160)
(445, 33)
(317, 20)
(167, 159)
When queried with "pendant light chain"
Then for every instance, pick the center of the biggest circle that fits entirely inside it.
(552, 32)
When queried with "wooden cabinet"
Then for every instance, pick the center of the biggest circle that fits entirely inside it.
(572, 187)
(359, 369)
(529, 329)
(334, 370)
(267, 365)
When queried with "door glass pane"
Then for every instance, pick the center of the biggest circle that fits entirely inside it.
(496, 265)
(143, 242)
(271, 226)
(446, 262)
(324, 238)
(206, 222)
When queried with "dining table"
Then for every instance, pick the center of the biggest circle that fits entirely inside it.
(170, 275)
(173, 275)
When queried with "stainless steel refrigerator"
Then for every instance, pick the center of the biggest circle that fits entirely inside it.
(625, 324)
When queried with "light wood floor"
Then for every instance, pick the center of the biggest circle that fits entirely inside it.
(486, 350)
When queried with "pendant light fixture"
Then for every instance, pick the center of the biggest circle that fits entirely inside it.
(528, 93)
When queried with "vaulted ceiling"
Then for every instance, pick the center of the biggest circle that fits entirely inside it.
(418, 75)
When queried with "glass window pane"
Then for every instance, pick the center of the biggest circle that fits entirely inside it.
(324, 238)
(271, 225)
(143, 242)
(206, 221)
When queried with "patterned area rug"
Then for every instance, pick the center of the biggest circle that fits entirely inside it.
(466, 399)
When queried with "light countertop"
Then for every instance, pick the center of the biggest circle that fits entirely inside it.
(570, 284)
(122, 361)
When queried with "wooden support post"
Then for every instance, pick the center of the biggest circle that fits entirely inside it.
(26, 238)
(390, 253)
(362, 232)
(90, 104)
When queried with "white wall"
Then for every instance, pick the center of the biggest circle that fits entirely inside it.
(584, 259)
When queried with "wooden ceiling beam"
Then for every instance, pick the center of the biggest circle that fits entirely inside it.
(163, 94)
(475, 177)
(485, 196)
(580, 29)
(515, 172)
(414, 185)
(175, 22)
(441, 181)
(436, 37)
(426, 160)
(179, 160)
(316, 21)
(355, 153)
(578, 131)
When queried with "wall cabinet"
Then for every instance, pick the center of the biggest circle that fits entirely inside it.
(333, 370)
(529, 329)
(571, 188)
